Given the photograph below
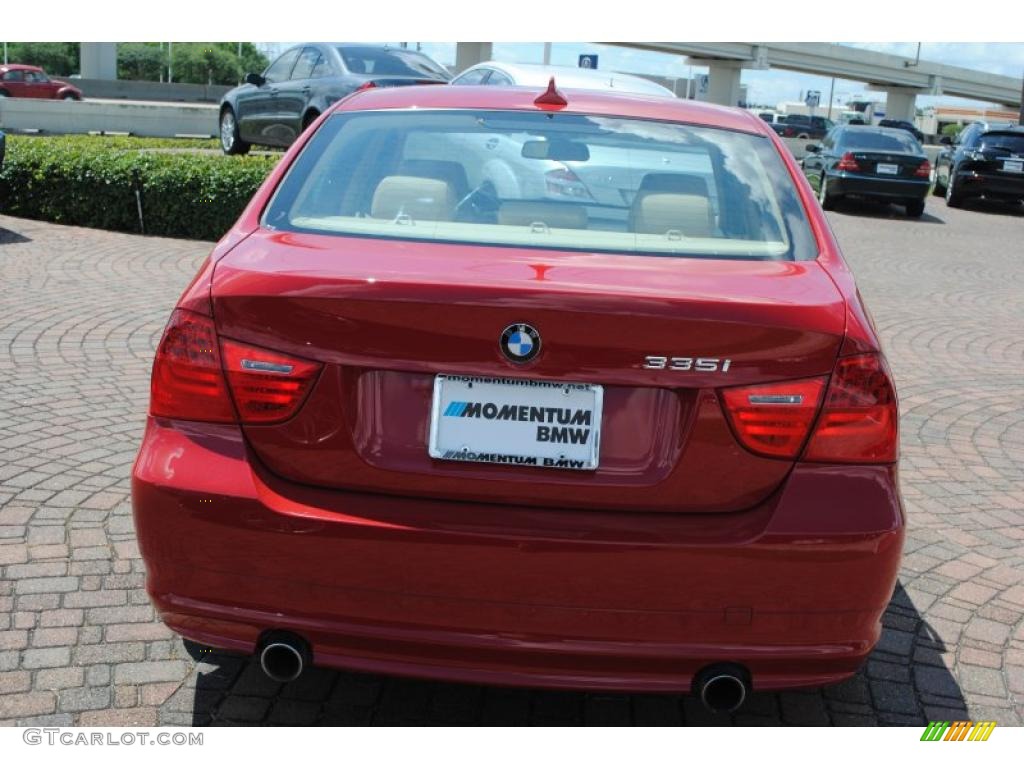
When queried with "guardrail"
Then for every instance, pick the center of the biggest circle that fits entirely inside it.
(143, 90)
(99, 116)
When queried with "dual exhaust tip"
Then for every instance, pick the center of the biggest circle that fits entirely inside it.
(722, 687)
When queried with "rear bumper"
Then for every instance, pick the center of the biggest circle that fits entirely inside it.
(793, 589)
(974, 184)
(878, 187)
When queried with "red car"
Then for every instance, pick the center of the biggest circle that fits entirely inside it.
(438, 406)
(22, 81)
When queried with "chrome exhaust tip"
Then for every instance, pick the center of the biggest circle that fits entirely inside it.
(283, 656)
(722, 687)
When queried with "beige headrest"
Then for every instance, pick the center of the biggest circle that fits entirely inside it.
(655, 213)
(413, 196)
(552, 215)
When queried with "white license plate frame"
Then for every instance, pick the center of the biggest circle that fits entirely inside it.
(888, 169)
(497, 420)
(1013, 166)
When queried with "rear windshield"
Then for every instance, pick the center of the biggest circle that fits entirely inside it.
(397, 63)
(545, 180)
(881, 142)
(1008, 143)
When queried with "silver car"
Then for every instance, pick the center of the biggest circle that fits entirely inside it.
(499, 73)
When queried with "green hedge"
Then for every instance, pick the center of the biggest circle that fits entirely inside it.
(90, 181)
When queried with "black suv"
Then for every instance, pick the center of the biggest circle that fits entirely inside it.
(985, 160)
(803, 127)
(275, 107)
(906, 125)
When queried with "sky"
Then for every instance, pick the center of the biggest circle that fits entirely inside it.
(765, 87)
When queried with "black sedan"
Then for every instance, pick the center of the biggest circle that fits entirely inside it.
(273, 108)
(986, 160)
(866, 161)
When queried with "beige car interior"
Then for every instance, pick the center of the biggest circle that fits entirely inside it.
(413, 197)
(671, 204)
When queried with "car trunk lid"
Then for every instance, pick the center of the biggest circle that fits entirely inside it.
(387, 316)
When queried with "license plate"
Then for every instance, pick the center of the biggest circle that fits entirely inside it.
(888, 168)
(516, 421)
(1013, 166)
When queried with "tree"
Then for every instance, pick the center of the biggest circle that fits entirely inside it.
(140, 61)
(61, 59)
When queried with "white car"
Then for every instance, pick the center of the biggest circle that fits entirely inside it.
(599, 184)
(500, 73)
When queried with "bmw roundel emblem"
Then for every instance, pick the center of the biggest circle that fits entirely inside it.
(520, 342)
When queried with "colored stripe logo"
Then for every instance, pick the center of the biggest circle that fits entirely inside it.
(456, 408)
(960, 730)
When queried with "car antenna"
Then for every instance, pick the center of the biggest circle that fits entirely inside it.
(552, 98)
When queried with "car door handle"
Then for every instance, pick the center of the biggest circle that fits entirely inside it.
(273, 91)
(306, 89)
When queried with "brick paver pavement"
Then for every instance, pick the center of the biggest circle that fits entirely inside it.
(81, 310)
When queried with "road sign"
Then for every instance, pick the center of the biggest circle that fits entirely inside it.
(702, 87)
(813, 99)
(588, 61)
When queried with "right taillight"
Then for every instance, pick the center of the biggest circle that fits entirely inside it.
(774, 419)
(563, 182)
(848, 163)
(859, 420)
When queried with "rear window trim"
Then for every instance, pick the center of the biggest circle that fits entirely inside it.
(754, 131)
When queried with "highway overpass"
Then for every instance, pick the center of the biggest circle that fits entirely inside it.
(902, 79)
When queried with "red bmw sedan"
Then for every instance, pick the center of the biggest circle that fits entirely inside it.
(562, 389)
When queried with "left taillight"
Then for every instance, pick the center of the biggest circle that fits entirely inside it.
(196, 376)
(267, 386)
(188, 382)
(924, 170)
(848, 163)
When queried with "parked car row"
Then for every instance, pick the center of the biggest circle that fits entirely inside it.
(985, 160)
(274, 107)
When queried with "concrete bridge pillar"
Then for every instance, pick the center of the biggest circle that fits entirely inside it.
(723, 81)
(98, 61)
(468, 54)
(900, 103)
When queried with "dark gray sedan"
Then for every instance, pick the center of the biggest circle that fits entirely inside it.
(273, 108)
